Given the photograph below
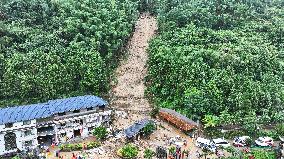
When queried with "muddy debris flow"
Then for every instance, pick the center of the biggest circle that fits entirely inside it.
(128, 93)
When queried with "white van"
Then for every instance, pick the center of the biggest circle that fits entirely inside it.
(205, 144)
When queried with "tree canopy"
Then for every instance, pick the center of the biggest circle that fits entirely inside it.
(52, 48)
(216, 56)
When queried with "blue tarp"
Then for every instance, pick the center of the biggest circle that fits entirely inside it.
(43, 110)
(134, 129)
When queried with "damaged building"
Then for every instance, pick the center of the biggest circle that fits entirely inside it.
(56, 121)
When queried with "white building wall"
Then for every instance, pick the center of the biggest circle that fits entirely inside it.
(85, 132)
(19, 128)
(19, 139)
(32, 137)
(33, 122)
(89, 120)
(18, 125)
(2, 144)
(69, 133)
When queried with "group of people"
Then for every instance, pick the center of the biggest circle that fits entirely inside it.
(78, 156)
(58, 154)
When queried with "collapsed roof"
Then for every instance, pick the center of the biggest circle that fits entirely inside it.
(177, 119)
(134, 129)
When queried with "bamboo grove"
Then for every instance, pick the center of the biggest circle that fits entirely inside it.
(54, 48)
(222, 58)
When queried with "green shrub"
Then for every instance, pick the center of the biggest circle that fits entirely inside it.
(69, 147)
(271, 133)
(93, 144)
(249, 142)
(210, 121)
(129, 151)
(78, 147)
(149, 154)
(61, 147)
(100, 132)
(149, 128)
(233, 133)
(213, 133)
(154, 112)
(280, 129)
(185, 152)
(262, 154)
(232, 150)
(172, 150)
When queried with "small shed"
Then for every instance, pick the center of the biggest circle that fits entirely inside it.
(177, 119)
(135, 129)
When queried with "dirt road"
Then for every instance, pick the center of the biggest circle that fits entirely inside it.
(128, 92)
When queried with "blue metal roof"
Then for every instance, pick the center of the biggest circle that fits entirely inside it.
(136, 128)
(75, 103)
(43, 110)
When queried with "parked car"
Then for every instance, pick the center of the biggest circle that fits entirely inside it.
(201, 140)
(240, 141)
(221, 142)
(264, 141)
(205, 144)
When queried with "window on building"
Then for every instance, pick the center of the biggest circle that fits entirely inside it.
(90, 129)
(61, 114)
(62, 134)
(28, 122)
(76, 111)
(102, 107)
(28, 143)
(28, 132)
(10, 141)
(8, 125)
(88, 109)
(97, 119)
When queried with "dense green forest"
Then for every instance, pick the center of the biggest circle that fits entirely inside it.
(219, 59)
(56, 48)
